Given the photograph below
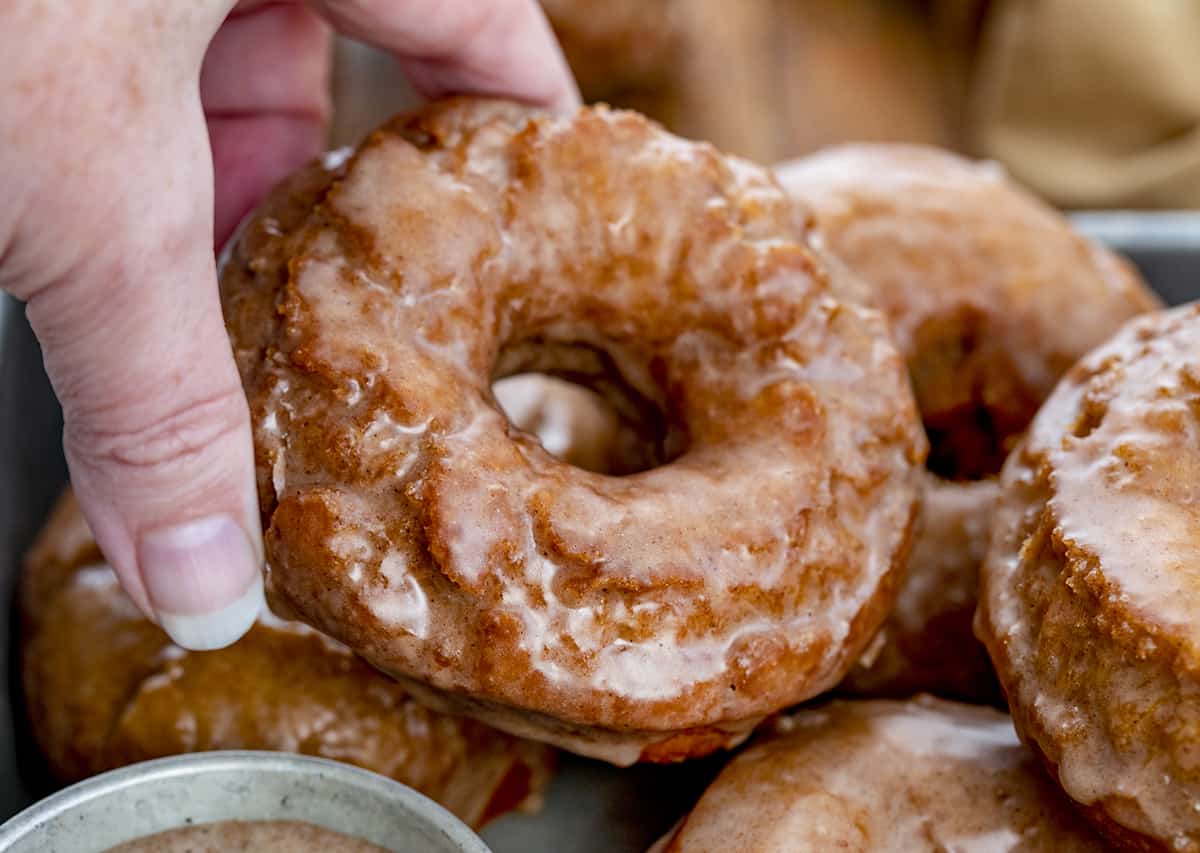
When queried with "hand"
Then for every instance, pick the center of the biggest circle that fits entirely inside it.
(133, 134)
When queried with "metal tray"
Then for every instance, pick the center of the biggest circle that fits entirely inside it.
(590, 806)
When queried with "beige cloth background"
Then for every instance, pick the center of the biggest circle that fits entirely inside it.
(1095, 103)
(1092, 103)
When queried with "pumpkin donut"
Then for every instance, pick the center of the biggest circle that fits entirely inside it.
(653, 616)
(991, 296)
(1089, 598)
(879, 776)
(105, 687)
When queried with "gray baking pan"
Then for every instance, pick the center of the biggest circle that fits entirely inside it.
(590, 807)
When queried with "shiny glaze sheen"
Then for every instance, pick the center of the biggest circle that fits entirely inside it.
(105, 687)
(653, 616)
(991, 295)
(1091, 590)
(885, 777)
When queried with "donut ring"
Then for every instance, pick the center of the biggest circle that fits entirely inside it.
(977, 278)
(1089, 600)
(877, 775)
(653, 616)
(95, 705)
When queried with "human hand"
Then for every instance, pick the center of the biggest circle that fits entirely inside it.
(133, 135)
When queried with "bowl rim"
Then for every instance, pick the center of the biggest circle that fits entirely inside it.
(132, 776)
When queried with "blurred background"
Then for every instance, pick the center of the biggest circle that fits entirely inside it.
(1092, 104)
(1095, 104)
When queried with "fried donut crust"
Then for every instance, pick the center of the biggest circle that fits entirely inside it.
(991, 296)
(921, 775)
(928, 643)
(105, 687)
(658, 615)
(1088, 597)
(990, 293)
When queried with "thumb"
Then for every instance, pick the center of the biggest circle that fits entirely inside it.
(156, 426)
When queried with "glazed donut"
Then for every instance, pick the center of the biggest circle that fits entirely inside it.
(991, 296)
(927, 643)
(104, 687)
(1089, 602)
(654, 616)
(881, 776)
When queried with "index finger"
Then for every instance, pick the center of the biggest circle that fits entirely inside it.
(483, 47)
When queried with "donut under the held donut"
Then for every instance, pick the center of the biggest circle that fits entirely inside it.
(991, 295)
(653, 616)
(105, 687)
(1090, 594)
(882, 776)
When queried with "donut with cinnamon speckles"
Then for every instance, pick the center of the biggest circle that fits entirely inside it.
(106, 687)
(373, 301)
(885, 777)
(1089, 596)
(992, 295)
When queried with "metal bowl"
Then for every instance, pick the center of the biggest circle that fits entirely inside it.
(154, 796)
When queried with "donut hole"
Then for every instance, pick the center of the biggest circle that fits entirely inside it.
(972, 400)
(592, 405)
(966, 445)
(579, 425)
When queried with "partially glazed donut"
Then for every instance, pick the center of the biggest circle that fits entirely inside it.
(657, 615)
(991, 296)
(1090, 600)
(104, 687)
(879, 776)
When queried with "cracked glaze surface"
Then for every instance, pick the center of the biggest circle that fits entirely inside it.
(105, 687)
(1090, 591)
(992, 296)
(880, 776)
(656, 615)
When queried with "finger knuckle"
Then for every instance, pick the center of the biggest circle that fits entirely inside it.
(178, 434)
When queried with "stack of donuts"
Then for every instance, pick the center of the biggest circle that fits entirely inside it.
(857, 413)
(105, 687)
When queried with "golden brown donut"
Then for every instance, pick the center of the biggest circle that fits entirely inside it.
(879, 776)
(105, 687)
(991, 296)
(654, 616)
(1089, 599)
(927, 643)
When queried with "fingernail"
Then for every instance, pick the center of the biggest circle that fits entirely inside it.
(204, 581)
